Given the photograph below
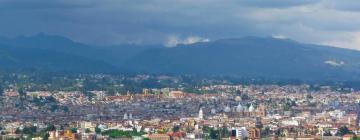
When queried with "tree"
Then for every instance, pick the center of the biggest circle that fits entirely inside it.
(22, 92)
(266, 131)
(110, 92)
(18, 131)
(89, 94)
(238, 93)
(30, 130)
(343, 131)
(1, 90)
(114, 133)
(327, 133)
(176, 128)
(97, 130)
(73, 130)
(65, 109)
(278, 132)
(309, 96)
(214, 134)
(54, 107)
(46, 136)
(13, 139)
(355, 137)
(50, 128)
(245, 97)
(87, 130)
(224, 132)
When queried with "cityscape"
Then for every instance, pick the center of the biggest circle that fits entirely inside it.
(219, 111)
(179, 70)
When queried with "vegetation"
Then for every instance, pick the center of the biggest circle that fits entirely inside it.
(115, 83)
(121, 134)
(288, 104)
(50, 128)
(213, 134)
(355, 138)
(97, 130)
(13, 139)
(87, 130)
(33, 131)
(343, 131)
(73, 130)
(216, 133)
(327, 133)
(1, 90)
(176, 128)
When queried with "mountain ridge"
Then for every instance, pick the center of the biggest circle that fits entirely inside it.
(244, 57)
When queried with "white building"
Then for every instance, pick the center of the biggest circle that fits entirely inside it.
(201, 114)
(240, 132)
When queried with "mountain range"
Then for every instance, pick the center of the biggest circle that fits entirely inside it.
(250, 57)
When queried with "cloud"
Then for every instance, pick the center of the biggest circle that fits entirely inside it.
(352, 41)
(45, 4)
(279, 36)
(348, 5)
(173, 40)
(334, 63)
(277, 3)
(155, 21)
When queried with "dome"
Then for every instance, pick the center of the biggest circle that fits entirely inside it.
(239, 108)
(125, 116)
(130, 116)
(227, 109)
(251, 108)
(237, 98)
(213, 111)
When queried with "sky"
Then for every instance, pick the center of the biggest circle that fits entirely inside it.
(170, 22)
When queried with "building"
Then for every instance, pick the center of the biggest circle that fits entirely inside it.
(201, 114)
(254, 133)
(241, 111)
(239, 133)
(158, 137)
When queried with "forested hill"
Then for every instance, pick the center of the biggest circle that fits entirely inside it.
(243, 57)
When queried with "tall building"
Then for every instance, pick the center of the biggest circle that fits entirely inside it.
(261, 110)
(258, 123)
(239, 108)
(201, 114)
(357, 116)
(125, 116)
(239, 133)
(130, 116)
(254, 133)
(145, 91)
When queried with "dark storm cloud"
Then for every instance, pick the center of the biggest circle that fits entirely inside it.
(346, 5)
(276, 3)
(42, 4)
(157, 21)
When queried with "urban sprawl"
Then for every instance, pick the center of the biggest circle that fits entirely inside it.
(233, 112)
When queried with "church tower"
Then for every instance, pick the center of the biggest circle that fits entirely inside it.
(201, 114)
(262, 110)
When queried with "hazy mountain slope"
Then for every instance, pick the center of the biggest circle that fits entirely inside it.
(252, 57)
(245, 57)
(33, 59)
(116, 55)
